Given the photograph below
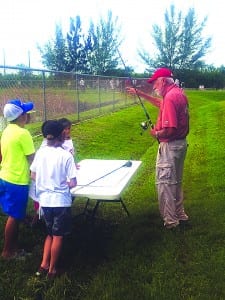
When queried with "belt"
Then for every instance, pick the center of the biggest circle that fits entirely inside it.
(179, 139)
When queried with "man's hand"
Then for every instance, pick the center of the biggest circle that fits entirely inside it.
(154, 133)
(165, 133)
(131, 91)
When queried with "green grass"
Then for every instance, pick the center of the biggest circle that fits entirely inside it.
(134, 257)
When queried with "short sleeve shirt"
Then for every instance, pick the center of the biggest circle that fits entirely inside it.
(68, 146)
(16, 145)
(174, 113)
(53, 167)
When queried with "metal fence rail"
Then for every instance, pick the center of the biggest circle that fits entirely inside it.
(57, 94)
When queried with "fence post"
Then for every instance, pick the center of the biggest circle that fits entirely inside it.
(78, 98)
(114, 98)
(44, 96)
(99, 96)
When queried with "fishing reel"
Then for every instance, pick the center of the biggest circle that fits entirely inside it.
(145, 124)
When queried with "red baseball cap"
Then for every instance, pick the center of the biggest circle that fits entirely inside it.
(162, 72)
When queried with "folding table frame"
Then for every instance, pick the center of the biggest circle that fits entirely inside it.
(103, 181)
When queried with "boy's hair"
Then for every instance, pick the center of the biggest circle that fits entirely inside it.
(65, 122)
(52, 129)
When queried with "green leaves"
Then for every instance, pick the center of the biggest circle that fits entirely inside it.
(179, 43)
(94, 52)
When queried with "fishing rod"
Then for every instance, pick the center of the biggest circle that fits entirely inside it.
(128, 164)
(145, 124)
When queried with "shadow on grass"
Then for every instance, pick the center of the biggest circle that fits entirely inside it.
(87, 246)
(83, 252)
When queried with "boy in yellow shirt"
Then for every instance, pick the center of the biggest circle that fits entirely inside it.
(17, 150)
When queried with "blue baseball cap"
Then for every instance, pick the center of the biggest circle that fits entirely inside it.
(15, 107)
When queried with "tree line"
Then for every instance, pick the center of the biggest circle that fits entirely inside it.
(178, 44)
(92, 53)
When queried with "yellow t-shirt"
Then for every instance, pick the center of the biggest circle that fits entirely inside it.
(16, 144)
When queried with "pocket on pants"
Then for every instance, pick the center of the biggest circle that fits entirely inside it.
(178, 146)
(164, 173)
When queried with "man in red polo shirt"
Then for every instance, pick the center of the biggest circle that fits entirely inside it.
(171, 129)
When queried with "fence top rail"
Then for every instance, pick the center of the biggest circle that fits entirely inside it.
(27, 69)
(20, 68)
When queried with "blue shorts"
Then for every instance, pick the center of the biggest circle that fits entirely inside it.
(58, 220)
(13, 199)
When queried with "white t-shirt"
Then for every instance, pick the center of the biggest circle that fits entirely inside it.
(53, 167)
(67, 145)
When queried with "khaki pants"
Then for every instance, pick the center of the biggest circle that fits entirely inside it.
(169, 172)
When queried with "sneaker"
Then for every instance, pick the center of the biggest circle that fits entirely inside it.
(171, 226)
(54, 275)
(51, 276)
(41, 272)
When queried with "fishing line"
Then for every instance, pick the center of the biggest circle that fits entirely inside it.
(144, 124)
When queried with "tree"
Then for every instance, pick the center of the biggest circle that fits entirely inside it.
(77, 56)
(179, 43)
(102, 44)
(209, 78)
(54, 53)
(66, 53)
(95, 53)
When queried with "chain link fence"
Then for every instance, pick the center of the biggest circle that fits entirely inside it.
(62, 94)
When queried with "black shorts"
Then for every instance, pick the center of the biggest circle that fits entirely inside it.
(58, 220)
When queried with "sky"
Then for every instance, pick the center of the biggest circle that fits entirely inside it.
(24, 24)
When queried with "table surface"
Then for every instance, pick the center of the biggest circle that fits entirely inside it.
(103, 179)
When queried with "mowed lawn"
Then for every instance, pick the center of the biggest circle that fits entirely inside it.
(132, 258)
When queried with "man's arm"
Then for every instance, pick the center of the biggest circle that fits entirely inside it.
(163, 133)
(153, 100)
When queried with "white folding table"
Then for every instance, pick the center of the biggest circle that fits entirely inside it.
(103, 181)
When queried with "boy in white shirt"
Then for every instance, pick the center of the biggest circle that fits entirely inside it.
(68, 146)
(54, 173)
(68, 142)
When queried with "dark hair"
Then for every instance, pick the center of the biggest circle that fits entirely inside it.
(52, 129)
(65, 122)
